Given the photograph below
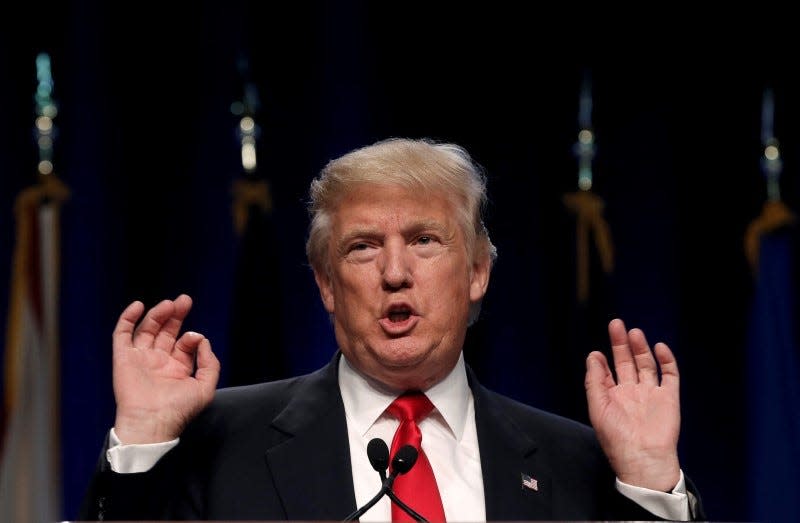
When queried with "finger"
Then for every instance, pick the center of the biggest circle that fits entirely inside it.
(122, 337)
(208, 366)
(624, 364)
(153, 322)
(643, 357)
(597, 381)
(165, 339)
(669, 365)
(185, 348)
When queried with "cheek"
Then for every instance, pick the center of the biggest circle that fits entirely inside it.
(450, 288)
(354, 287)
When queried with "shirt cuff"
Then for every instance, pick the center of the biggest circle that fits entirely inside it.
(128, 459)
(672, 506)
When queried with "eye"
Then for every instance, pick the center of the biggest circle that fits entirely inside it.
(360, 251)
(425, 240)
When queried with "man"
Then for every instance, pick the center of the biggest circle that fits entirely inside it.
(402, 261)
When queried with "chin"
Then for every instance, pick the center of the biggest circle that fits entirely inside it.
(399, 359)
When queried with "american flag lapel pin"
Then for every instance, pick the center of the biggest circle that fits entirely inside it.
(529, 482)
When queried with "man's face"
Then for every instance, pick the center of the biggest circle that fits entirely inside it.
(400, 284)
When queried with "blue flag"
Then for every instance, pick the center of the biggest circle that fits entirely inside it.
(773, 374)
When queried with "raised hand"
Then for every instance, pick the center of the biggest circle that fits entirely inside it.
(636, 416)
(162, 378)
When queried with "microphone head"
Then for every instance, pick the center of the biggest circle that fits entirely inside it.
(404, 459)
(378, 454)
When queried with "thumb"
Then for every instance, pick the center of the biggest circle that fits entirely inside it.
(598, 378)
(208, 367)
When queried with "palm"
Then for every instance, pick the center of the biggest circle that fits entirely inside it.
(636, 415)
(639, 414)
(152, 380)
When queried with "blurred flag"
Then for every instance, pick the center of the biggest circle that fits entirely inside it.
(773, 347)
(30, 457)
(256, 350)
(773, 382)
(591, 226)
(30, 472)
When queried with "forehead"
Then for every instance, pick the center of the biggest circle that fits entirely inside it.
(368, 203)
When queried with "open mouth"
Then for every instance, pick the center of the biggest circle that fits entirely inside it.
(399, 314)
(400, 319)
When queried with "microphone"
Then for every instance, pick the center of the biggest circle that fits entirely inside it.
(404, 459)
(378, 454)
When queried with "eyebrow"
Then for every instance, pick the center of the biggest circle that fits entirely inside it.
(368, 232)
(421, 225)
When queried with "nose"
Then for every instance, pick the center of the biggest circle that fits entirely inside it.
(395, 265)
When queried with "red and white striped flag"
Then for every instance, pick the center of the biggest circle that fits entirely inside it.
(30, 469)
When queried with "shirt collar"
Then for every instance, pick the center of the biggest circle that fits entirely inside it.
(365, 399)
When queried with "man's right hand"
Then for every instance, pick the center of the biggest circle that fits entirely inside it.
(156, 386)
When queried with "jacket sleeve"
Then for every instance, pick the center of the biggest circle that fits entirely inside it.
(150, 495)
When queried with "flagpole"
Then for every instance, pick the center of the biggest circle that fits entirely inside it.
(774, 213)
(771, 164)
(248, 189)
(587, 206)
(585, 148)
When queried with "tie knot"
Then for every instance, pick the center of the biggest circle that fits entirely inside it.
(411, 406)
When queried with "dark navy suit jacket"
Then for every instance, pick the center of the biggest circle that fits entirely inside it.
(279, 451)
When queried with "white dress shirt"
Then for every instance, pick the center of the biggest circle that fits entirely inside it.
(449, 439)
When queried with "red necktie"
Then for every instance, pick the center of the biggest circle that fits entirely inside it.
(416, 488)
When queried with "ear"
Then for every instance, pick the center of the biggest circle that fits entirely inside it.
(325, 289)
(479, 278)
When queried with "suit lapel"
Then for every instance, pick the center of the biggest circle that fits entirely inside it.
(310, 465)
(508, 457)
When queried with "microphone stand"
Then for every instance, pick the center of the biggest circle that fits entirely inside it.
(408, 510)
(385, 488)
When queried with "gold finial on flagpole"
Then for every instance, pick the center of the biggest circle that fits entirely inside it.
(50, 187)
(587, 206)
(774, 213)
(248, 190)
